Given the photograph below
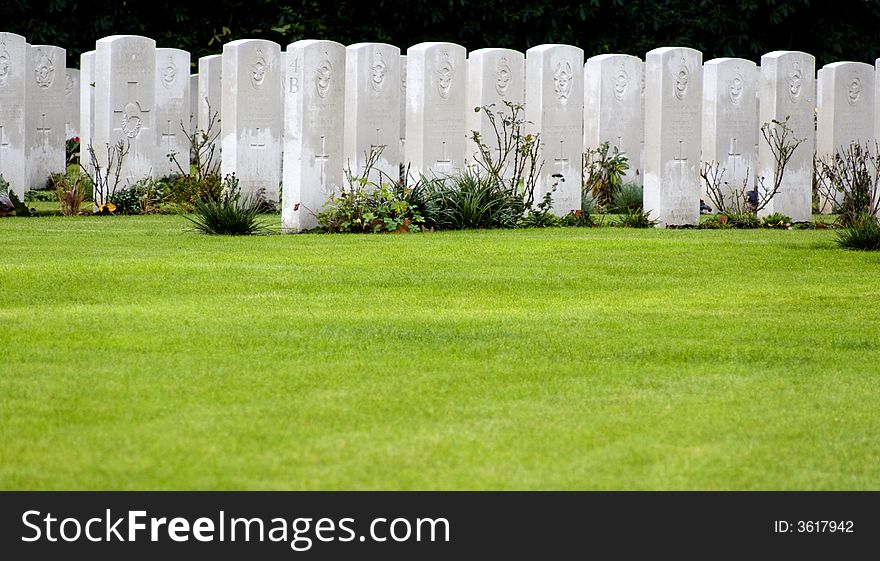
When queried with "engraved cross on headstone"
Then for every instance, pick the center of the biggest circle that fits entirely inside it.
(444, 161)
(561, 160)
(169, 137)
(260, 140)
(44, 131)
(323, 157)
(733, 156)
(681, 160)
(378, 144)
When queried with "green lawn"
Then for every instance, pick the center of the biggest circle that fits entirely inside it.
(139, 355)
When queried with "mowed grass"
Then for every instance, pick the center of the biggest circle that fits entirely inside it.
(139, 355)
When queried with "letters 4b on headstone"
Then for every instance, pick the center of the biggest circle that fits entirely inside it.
(845, 112)
(435, 104)
(613, 107)
(314, 124)
(555, 110)
(730, 124)
(125, 99)
(673, 97)
(788, 89)
(46, 127)
(71, 103)
(172, 111)
(13, 157)
(495, 76)
(372, 110)
(86, 107)
(251, 127)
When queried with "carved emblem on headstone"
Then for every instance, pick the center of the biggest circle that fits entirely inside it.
(44, 71)
(169, 73)
(69, 85)
(562, 80)
(621, 81)
(795, 79)
(259, 69)
(377, 72)
(854, 89)
(4, 65)
(735, 88)
(503, 75)
(131, 119)
(323, 74)
(682, 77)
(445, 73)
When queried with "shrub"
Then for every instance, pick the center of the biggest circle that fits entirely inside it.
(627, 198)
(603, 171)
(637, 218)
(862, 234)
(230, 214)
(741, 220)
(848, 183)
(776, 221)
(72, 190)
(578, 219)
(10, 205)
(472, 200)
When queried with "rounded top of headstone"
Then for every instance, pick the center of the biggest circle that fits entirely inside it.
(57, 49)
(115, 38)
(780, 54)
(14, 37)
(367, 45)
(662, 51)
(722, 61)
(172, 51)
(552, 47)
(493, 50)
(846, 64)
(311, 43)
(244, 42)
(612, 57)
(432, 45)
(209, 58)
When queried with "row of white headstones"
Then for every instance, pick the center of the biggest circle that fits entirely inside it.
(336, 104)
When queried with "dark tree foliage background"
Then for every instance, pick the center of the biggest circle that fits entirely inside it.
(832, 31)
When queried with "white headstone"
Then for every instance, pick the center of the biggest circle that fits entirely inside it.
(673, 98)
(252, 112)
(193, 102)
(436, 80)
(86, 108)
(172, 111)
(845, 111)
(402, 107)
(314, 109)
(372, 110)
(788, 89)
(46, 128)
(613, 107)
(71, 103)
(494, 76)
(125, 103)
(13, 72)
(730, 124)
(210, 99)
(555, 110)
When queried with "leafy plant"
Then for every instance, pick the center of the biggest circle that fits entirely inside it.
(140, 198)
(71, 146)
(741, 220)
(861, 234)
(231, 214)
(365, 207)
(848, 183)
(776, 221)
(627, 198)
(10, 204)
(71, 190)
(603, 171)
(472, 200)
(636, 218)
